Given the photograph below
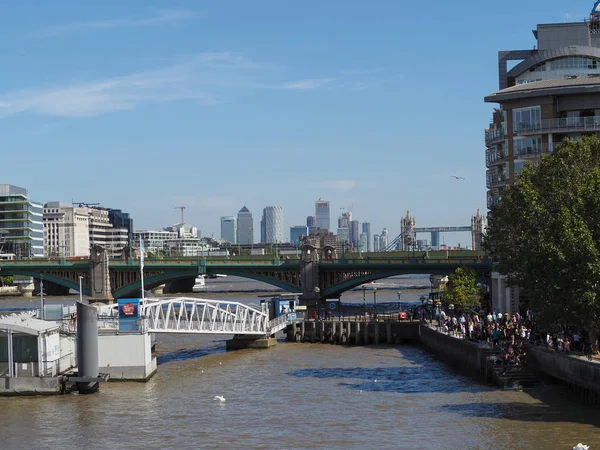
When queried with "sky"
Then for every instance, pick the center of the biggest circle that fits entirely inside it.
(214, 106)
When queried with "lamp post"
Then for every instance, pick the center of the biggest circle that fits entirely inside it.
(364, 289)
(317, 298)
(399, 307)
(80, 290)
(430, 303)
(375, 303)
(422, 298)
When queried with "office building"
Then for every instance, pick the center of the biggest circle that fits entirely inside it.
(311, 223)
(376, 242)
(297, 233)
(120, 219)
(245, 227)
(322, 214)
(66, 230)
(272, 225)
(552, 93)
(154, 240)
(363, 242)
(366, 228)
(354, 232)
(21, 223)
(228, 229)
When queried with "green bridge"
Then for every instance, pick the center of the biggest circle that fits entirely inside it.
(104, 279)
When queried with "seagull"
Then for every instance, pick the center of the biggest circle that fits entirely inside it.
(581, 446)
(457, 177)
(220, 398)
(375, 380)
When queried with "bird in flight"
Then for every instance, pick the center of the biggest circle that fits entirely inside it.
(457, 177)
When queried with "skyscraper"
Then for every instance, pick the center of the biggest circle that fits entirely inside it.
(245, 227)
(354, 232)
(228, 229)
(296, 233)
(366, 228)
(322, 214)
(272, 225)
(311, 223)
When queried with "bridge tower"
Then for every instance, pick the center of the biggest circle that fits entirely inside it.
(478, 227)
(100, 291)
(408, 233)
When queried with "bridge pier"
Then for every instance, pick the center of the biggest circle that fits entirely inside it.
(159, 290)
(242, 342)
(100, 291)
(26, 290)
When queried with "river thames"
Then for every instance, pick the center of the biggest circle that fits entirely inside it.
(298, 396)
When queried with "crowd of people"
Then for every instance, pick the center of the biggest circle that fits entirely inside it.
(508, 334)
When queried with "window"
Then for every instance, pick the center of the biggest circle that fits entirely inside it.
(527, 146)
(527, 118)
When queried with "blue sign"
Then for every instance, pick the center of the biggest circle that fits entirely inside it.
(333, 306)
(129, 314)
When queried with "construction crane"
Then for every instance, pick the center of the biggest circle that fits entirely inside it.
(182, 208)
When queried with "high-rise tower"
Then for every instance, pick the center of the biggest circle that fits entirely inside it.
(245, 227)
(272, 225)
(322, 214)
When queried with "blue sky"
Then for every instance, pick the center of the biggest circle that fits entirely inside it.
(216, 105)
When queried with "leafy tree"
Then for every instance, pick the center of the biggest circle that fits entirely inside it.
(462, 289)
(545, 235)
(7, 281)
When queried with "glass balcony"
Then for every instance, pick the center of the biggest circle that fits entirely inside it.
(493, 200)
(568, 124)
(532, 151)
(494, 135)
(496, 180)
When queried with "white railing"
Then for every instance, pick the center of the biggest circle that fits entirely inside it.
(200, 316)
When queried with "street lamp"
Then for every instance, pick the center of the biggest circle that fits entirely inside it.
(364, 289)
(430, 303)
(80, 290)
(317, 298)
(422, 298)
(399, 307)
(375, 302)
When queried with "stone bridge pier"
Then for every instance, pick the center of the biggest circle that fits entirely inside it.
(100, 291)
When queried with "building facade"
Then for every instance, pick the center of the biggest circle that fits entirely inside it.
(154, 240)
(66, 230)
(21, 223)
(298, 233)
(272, 225)
(228, 229)
(245, 227)
(552, 93)
(322, 214)
(366, 229)
(120, 219)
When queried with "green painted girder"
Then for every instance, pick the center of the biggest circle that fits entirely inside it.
(152, 282)
(52, 278)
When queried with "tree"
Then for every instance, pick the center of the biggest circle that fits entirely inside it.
(462, 290)
(545, 235)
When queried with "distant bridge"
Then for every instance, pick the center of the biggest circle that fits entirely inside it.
(316, 277)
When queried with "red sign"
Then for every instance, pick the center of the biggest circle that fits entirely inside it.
(128, 309)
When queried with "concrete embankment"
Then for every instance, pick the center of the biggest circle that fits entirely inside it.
(463, 354)
(582, 376)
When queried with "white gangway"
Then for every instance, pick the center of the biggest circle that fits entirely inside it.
(202, 316)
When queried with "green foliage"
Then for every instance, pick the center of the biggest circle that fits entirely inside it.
(545, 234)
(462, 289)
(8, 281)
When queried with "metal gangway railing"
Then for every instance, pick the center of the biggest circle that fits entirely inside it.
(201, 316)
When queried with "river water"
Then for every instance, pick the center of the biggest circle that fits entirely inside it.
(298, 396)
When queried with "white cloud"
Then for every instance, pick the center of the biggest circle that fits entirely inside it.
(304, 84)
(202, 78)
(162, 17)
(338, 185)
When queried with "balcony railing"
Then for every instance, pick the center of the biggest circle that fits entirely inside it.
(494, 157)
(494, 135)
(493, 200)
(534, 151)
(570, 124)
(497, 179)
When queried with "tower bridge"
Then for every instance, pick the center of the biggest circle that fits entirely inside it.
(316, 273)
(407, 239)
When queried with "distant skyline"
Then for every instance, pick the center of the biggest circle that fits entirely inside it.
(217, 105)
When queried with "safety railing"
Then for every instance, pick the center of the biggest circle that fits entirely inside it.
(555, 125)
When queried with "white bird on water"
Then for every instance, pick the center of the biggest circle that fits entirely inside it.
(581, 446)
(220, 398)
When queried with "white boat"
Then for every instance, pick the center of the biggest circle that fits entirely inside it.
(199, 284)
